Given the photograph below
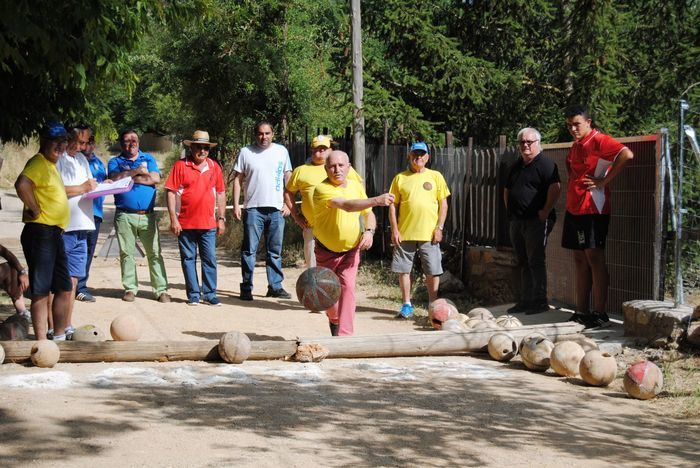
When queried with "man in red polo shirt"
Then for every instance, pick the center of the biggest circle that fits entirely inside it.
(200, 184)
(594, 160)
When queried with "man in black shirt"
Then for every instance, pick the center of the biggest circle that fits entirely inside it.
(532, 189)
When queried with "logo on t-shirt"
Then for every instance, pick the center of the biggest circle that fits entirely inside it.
(428, 186)
(278, 176)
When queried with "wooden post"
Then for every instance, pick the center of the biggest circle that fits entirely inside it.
(467, 211)
(394, 345)
(131, 351)
(432, 343)
(385, 187)
(358, 143)
(449, 139)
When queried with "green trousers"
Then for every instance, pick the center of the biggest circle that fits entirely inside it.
(129, 227)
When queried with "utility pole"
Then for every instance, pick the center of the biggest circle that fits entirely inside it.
(358, 139)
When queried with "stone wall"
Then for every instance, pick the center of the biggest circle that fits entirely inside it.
(492, 275)
(658, 322)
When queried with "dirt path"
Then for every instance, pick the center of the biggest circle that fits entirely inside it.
(437, 411)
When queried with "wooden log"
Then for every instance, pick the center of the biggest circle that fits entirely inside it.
(394, 345)
(131, 351)
(431, 343)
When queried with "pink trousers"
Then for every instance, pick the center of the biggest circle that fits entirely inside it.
(345, 266)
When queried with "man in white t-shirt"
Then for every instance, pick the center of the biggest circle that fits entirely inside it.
(262, 170)
(77, 178)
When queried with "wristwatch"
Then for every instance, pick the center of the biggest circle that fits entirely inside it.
(23, 271)
(221, 218)
(369, 230)
(440, 228)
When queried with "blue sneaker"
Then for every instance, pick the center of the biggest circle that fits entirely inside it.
(406, 312)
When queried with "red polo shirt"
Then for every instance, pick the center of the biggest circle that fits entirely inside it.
(197, 187)
(592, 155)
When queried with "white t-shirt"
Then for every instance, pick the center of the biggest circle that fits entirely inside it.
(75, 170)
(263, 175)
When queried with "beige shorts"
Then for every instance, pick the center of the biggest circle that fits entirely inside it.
(430, 257)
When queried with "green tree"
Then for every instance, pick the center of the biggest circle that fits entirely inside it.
(56, 56)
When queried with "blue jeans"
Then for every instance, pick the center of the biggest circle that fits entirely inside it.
(256, 221)
(189, 241)
(91, 243)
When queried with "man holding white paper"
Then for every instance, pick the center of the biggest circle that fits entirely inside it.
(77, 179)
(99, 173)
(594, 160)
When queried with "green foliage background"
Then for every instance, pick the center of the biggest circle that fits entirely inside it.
(478, 68)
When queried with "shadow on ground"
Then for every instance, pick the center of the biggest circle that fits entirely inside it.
(428, 422)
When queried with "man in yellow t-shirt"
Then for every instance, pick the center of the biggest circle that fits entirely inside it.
(421, 197)
(303, 180)
(339, 239)
(46, 214)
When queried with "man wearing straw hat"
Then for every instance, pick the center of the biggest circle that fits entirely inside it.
(199, 182)
(303, 180)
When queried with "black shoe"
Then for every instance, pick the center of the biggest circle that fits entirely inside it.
(537, 308)
(334, 328)
(597, 321)
(278, 293)
(246, 296)
(579, 318)
(517, 308)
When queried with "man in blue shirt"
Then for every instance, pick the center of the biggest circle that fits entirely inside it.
(99, 173)
(135, 217)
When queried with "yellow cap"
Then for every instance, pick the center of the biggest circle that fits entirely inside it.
(321, 140)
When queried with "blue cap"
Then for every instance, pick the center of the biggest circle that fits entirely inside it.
(419, 146)
(54, 129)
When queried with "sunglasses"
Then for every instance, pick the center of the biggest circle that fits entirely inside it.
(200, 147)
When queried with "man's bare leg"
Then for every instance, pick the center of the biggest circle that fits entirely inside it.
(69, 317)
(405, 285)
(40, 314)
(50, 311)
(600, 278)
(60, 310)
(583, 282)
(432, 283)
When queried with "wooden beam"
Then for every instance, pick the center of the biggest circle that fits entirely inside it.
(394, 345)
(431, 343)
(134, 351)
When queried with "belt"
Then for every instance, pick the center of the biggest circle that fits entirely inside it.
(126, 210)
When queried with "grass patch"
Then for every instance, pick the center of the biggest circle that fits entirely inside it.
(682, 385)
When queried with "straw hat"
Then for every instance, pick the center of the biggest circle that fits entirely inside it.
(200, 137)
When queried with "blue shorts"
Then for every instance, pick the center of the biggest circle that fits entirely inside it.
(46, 259)
(75, 243)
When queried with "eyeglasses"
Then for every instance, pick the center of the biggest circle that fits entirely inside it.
(527, 142)
(418, 155)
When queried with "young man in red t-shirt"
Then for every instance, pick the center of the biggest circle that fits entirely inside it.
(594, 160)
(200, 184)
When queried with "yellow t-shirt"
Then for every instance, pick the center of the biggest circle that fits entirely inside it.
(49, 191)
(418, 196)
(305, 178)
(338, 230)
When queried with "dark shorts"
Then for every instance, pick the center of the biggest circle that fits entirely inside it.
(46, 259)
(583, 232)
